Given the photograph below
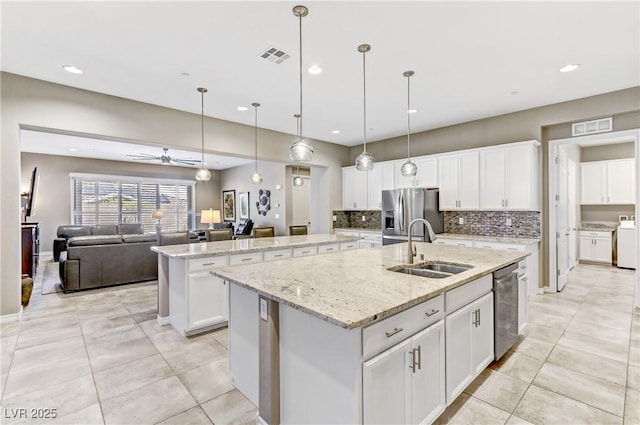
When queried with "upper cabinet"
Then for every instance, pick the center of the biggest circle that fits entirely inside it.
(354, 189)
(509, 177)
(427, 175)
(458, 180)
(379, 179)
(608, 182)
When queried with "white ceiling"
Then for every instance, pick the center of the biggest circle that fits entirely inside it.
(471, 59)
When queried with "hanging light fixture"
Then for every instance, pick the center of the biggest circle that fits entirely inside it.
(364, 161)
(297, 180)
(256, 177)
(202, 175)
(300, 150)
(409, 168)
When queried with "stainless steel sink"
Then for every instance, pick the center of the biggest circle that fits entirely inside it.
(431, 270)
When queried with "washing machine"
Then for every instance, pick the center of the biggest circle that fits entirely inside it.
(627, 248)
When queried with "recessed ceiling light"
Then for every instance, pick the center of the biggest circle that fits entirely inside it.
(336, 131)
(73, 149)
(242, 108)
(412, 111)
(72, 69)
(315, 70)
(570, 67)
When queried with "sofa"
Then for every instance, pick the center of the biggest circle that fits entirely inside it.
(66, 232)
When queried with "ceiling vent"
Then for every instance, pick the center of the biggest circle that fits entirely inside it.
(275, 55)
(590, 127)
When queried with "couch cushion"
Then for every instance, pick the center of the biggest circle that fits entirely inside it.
(71, 231)
(94, 240)
(104, 229)
(130, 229)
(149, 237)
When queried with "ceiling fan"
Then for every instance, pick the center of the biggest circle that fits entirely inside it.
(164, 158)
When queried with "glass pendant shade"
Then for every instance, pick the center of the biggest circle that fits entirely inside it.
(301, 151)
(203, 175)
(256, 178)
(298, 181)
(364, 161)
(409, 169)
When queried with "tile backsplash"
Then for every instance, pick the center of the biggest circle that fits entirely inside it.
(524, 224)
(346, 219)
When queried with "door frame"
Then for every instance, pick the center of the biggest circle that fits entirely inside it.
(589, 140)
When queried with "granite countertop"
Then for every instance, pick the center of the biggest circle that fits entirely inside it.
(597, 226)
(351, 289)
(245, 246)
(502, 239)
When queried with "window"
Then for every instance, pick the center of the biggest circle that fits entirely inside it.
(100, 199)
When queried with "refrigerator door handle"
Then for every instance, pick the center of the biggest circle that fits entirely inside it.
(401, 206)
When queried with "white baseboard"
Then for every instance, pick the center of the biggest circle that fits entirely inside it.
(12, 317)
(162, 321)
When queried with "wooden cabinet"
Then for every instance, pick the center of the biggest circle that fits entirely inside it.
(608, 182)
(458, 177)
(596, 246)
(354, 189)
(30, 247)
(379, 179)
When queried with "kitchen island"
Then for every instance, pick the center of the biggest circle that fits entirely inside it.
(341, 339)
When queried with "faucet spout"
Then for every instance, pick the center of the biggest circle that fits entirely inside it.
(432, 237)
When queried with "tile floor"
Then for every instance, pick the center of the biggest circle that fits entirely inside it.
(100, 357)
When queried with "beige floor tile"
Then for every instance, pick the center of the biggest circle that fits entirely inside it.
(603, 332)
(564, 302)
(106, 355)
(65, 397)
(632, 408)
(87, 310)
(115, 336)
(5, 360)
(586, 389)
(595, 345)
(230, 408)
(534, 348)
(497, 389)
(45, 336)
(208, 381)
(518, 365)
(90, 415)
(543, 333)
(603, 317)
(589, 364)
(149, 404)
(540, 406)
(222, 336)
(634, 354)
(7, 348)
(184, 354)
(633, 378)
(9, 328)
(130, 376)
(193, 416)
(146, 315)
(3, 380)
(514, 420)
(104, 325)
(49, 354)
(469, 410)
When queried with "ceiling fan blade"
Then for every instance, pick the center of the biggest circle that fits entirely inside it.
(143, 155)
(185, 161)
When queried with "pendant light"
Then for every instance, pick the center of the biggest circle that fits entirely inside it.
(297, 180)
(364, 161)
(202, 175)
(256, 177)
(300, 150)
(409, 168)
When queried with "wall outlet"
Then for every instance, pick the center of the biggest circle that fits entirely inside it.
(508, 222)
(460, 220)
(264, 314)
(277, 216)
(364, 218)
(335, 218)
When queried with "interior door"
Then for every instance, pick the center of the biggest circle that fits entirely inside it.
(562, 220)
(572, 203)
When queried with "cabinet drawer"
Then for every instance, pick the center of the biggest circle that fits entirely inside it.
(592, 234)
(305, 251)
(236, 260)
(463, 295)
(280, 254)
(207, 263)
(345, 246)
(382, 335)
(323, 249)
(500, 245)
(372, 237)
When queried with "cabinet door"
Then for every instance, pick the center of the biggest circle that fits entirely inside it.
(458, 351)
(401, 181)
(448, 179)
(593, 182)
(493, 179)
(354, 189)
(621, 182)
(386, 386)
(428, 398)
(602, 250)
(469, 181)
(379, 179)
(482, 334)
(427, 172)
(586, 248)
(523, 302)
(521, 171)
(208, 300)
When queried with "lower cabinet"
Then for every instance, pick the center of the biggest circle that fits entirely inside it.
(405, 384)
(523, 304)
(208, 300)
(596, 246)
(469, 344)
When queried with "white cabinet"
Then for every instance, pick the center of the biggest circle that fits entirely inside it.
(508, 177)
(405, 384)
(354, 189)
(458, 177)
(370, 239)
(427, 175)
(379, 179)
(608, 182)
(469, 344)
(523, 301)
(596, 246)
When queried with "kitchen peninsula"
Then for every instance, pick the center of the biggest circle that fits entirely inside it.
(342, 339)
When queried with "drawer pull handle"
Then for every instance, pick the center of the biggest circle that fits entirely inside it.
(432, 312)
(278, 255)
(247, 259)
(329, 249)
(393, 332)
(523, 267)
(306, 252)
(209, 264)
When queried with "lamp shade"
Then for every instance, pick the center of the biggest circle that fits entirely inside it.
(157, 214)
(210, 216)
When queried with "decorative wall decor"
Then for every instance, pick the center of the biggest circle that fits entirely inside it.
(263, 204)
(229, 205)
(244, 205)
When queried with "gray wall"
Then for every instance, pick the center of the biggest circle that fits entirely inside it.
(605, 152)
(54, 194)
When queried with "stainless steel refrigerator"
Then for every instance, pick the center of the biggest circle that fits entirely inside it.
(401, 206)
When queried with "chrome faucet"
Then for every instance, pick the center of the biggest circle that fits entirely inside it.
(412, 249)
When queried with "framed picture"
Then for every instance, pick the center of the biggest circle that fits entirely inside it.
(229, 205)
(244, 205)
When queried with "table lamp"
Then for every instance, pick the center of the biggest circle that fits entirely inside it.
(210, 216)
(158, 215)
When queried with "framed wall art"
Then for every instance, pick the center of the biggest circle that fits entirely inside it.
(244, 205)
(229, 205)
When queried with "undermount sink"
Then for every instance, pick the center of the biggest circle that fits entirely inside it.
(432, 270)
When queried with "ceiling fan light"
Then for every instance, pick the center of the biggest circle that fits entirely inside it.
(256, 178)
(300, 151)
(409, 169)
(298, 181)
(203, 175)
(365, 161)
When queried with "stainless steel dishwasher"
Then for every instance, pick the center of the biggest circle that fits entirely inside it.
(505, 292)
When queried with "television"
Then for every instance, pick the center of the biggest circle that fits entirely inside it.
(30, 206)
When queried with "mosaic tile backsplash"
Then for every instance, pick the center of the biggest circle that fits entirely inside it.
(346, 219)
(524, 224)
